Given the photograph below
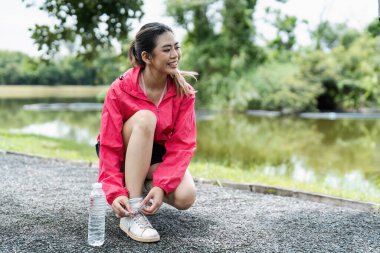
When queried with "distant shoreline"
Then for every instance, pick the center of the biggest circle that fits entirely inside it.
(47, 91)
(370, 114)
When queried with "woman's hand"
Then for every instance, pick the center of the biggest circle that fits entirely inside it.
(121, 207)
(156, 194)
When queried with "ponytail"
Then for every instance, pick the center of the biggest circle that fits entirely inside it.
(182, 87)
(133, 56)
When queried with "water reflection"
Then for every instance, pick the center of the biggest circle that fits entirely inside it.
(340, 153)
(354, 181)
(83, 107)
(81, 126)
(58, 129)
(301, 173)
(322, 145)
(335, 153)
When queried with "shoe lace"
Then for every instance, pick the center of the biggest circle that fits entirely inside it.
(142, 221)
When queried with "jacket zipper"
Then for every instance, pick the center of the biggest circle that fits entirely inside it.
(146, 99)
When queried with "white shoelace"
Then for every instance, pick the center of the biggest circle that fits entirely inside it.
(142, 221)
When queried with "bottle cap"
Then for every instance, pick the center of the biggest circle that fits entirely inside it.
(97, 185)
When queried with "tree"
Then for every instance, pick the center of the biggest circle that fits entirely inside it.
(12, 67)
(237, 28)
(373, 28)
(328, 36)
(220, 46)
(279, 88)
(89, 25)
(348, 73)
(285, 36)
(19, 68)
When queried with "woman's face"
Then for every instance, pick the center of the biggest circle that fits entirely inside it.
(166, 54)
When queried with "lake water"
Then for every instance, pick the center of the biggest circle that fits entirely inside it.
(340, 153)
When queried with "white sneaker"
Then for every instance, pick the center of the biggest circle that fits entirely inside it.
(139, 228)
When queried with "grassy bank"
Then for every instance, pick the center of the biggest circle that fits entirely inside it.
(215, 171)
(45, 146)
(202, 169)
(43, 91)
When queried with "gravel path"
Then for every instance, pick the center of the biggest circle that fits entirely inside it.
(44, 209)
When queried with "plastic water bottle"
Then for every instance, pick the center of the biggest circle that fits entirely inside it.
(97, 216)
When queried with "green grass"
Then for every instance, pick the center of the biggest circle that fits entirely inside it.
(57, 148)
(45, 146)
(214, 171)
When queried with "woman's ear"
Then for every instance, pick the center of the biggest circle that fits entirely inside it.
(146, 57)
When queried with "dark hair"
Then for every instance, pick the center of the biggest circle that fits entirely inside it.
(146, 40)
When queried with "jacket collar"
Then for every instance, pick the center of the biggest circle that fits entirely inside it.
(130, 84)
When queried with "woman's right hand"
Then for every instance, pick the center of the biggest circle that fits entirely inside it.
(121, 207)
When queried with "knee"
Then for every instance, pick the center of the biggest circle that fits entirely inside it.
(144, 121)
(184, 200)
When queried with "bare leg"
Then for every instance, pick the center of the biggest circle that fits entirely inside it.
(138, 134)
(181, 198)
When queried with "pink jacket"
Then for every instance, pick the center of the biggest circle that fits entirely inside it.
(175, 129)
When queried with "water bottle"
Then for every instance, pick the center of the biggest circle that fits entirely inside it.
(97, 216)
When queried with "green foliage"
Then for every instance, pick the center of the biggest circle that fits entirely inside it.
(349, 37)
(328, 36)
(358, 73)
(18, 68)
(325, 36)
(13, 66)
(285, 25)
(278, 89)
(374, 28)
(235, 73)
(237, 27)
(187, 12)
(89, 25)
(353, 66)
(222, 56)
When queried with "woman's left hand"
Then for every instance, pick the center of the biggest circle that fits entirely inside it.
(156, 194)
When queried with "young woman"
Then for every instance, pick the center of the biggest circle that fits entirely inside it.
(148, 134)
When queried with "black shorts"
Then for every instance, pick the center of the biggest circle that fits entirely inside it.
(158, 152)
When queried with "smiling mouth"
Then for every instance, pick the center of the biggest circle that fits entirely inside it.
(173, 64)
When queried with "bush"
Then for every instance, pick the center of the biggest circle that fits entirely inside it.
(278, 88)
(353, 69)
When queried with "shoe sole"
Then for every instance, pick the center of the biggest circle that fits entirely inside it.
(138, 238)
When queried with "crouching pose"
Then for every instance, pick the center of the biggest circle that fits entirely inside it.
(148, 134)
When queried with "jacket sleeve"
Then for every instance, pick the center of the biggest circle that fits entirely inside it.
(179, 148)
(111, 149)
